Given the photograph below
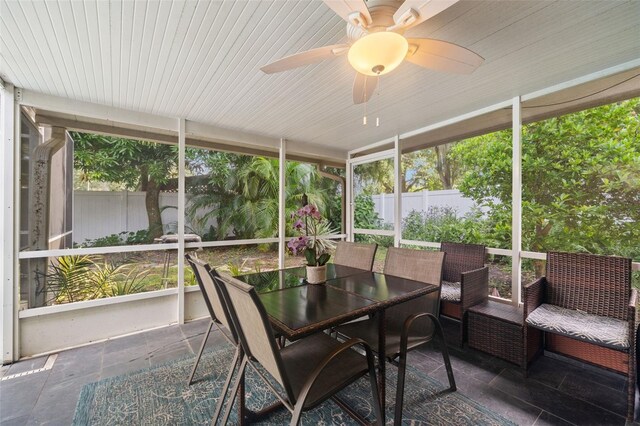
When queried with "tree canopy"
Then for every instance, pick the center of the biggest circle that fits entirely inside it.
(241, 193)
(580, 185)
(136, 165)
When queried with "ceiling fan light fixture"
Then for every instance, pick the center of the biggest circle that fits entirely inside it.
(378, 53)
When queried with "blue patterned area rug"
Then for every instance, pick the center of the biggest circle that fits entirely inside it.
(161, 396)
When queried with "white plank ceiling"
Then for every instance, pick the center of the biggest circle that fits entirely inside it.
(200, 60)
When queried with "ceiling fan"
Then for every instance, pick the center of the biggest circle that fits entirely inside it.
(377, 45)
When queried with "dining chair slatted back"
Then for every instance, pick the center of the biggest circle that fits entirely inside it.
(417, 265)
(253, 328)
(355, 255)
(204, 277)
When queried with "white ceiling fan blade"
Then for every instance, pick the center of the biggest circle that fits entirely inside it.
(352, 11)
(363, 88)
(305, 58)
(442, 56)
(414, 12)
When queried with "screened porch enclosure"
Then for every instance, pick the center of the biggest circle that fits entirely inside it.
(140, 135)
(98, 228)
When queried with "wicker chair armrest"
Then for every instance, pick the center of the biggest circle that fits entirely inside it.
(474, 287)
(533, 295)
(330, 357)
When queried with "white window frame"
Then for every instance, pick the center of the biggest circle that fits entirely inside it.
(351, 164)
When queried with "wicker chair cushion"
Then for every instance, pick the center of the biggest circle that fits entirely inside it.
(602, 331)
(450, 291)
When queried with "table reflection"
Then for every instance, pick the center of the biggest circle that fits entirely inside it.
(292, 277)
(274, 280)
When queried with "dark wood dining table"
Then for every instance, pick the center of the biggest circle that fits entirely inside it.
(297, 309)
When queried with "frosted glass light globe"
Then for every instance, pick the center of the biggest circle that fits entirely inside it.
(378, 53)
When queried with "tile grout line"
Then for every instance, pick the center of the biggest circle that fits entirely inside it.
(537, 418)
(558, 390)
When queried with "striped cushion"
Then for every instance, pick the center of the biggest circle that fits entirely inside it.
(450, 291)
(603, 331)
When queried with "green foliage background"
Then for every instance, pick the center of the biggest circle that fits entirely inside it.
(581, 184)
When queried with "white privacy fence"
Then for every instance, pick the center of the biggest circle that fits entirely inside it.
(98, 214)
(422, 201)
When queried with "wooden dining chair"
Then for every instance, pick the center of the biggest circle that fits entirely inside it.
(310, 370)
(410, 324)
(220, 318)
(355, 255)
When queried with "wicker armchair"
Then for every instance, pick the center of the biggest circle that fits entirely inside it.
(584, 308)
(465, 281)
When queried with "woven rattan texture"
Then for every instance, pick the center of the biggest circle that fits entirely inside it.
(599, 285)
(494, 329)
(461, 258)
(501, 311)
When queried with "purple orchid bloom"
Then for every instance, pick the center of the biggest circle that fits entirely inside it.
(297, 245)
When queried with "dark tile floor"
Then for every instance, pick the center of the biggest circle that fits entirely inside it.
(557, 392)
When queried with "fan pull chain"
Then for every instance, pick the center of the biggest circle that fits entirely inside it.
(366, 100)
(378, 90)
(364, 117)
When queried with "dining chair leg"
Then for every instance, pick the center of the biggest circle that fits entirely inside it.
(402, 368)
(445, 354)
(204, 342)
(373, 380)
(297, 412)
(236, 386)
(225, 388)
(382, 368)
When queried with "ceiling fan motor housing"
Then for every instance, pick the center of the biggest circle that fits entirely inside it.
(381, 12)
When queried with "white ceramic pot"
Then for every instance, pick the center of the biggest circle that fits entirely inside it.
(316, 274)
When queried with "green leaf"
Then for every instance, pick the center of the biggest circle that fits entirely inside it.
(310, 255)
(323, 259)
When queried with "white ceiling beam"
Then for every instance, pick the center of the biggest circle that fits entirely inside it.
(195, 130)
(626, 66)
(214, 134)
(319, 152)
(507, 104)
(458, 119)
(92, 110)
(198, 130)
